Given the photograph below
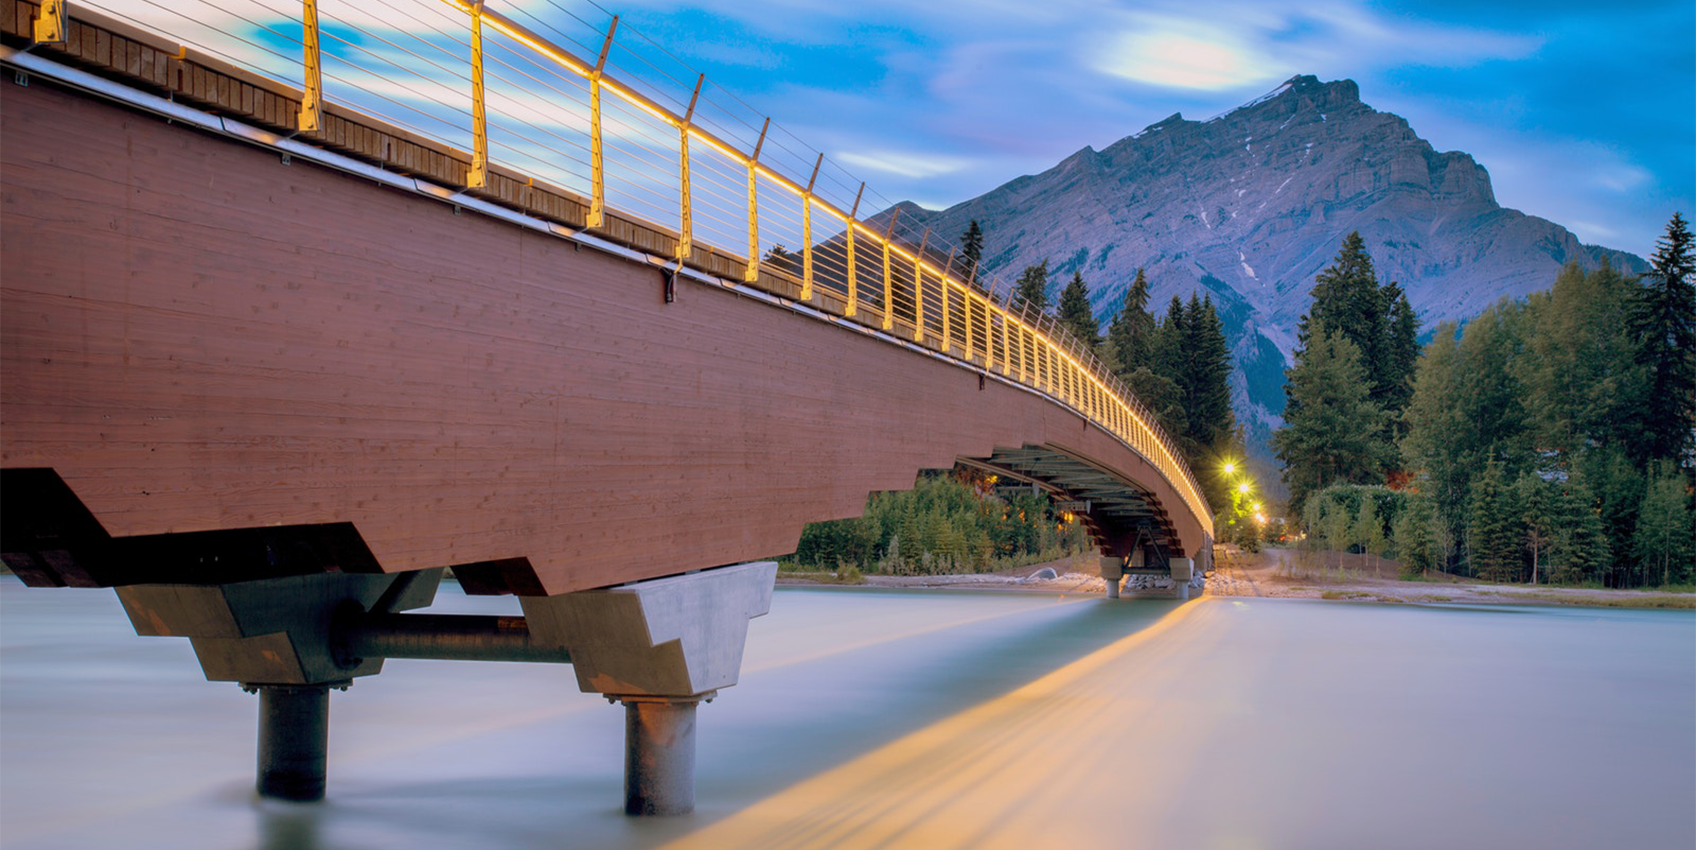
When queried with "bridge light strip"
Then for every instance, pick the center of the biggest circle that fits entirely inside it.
(1082, 375)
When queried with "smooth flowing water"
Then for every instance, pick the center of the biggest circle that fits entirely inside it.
(925, 719)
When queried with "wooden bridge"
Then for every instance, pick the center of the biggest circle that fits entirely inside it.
(253, 331)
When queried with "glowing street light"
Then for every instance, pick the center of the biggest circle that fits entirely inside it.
(1243, 488)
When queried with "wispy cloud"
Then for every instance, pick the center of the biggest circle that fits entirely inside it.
(905, 164)
(1220, 46)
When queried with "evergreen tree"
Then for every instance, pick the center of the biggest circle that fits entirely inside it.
(1378, 320)
(1433, 414)
(1580, 379)
(1615, 490)
(1492, 538)
(1663, 321)
(1401, 355)
(1206, 380)
(1030, 292)
(1540, 517)
(1333, 433)
(1076, 315)
(1580, 552)
(1665, 537)
(1368, 530)
(1130, 337)
(971, 251)
(1415, 536)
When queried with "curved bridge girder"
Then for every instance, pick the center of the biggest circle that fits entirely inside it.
(1122, 514)
(301, 349)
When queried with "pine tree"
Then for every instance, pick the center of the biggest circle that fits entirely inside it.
(1414, 536)
(1076, 314)
(1401, 354)
(971, 251)
(1030, 293)
(1492, 538)
(1540, 517)
(1130, 337)
(1206, 382)
(1580, 552)
(1331, 426)
(1664, 539)
(1663, 321)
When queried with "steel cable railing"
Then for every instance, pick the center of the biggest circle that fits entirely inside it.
(559, 96)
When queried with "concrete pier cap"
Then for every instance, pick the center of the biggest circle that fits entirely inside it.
(1112, 571)
(669, 637)
(660, 647)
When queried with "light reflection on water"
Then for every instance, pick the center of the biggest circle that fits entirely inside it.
(923, 719)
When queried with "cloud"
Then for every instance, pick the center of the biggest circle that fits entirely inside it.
(1182, 54)
(1235, 45)
(917, 165)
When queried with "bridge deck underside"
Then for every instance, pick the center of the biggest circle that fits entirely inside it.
(200, 338)
(1119, 509)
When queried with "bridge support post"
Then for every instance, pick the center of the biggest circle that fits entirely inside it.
(294, 739)
(1183, 569)
(660, 647)
(1112, 571)
(659, 755)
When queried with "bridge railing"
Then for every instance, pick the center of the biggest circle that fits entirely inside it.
(560, 95)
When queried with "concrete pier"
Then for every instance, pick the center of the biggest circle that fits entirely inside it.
(294, 740)
(659, 756)
(1112, 572)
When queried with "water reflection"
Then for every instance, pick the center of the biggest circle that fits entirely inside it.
(910, 720)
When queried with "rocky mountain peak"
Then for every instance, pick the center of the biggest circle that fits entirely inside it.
(1249, 205)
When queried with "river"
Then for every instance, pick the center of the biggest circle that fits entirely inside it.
(926, 719)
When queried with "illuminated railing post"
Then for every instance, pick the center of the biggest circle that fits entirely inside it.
(478, 176)
(947, 340)
(312, 90)
(919, 289)
(597, 146)
(685, 212)
(807, 233)
(50, 23)
(752, 273)
(889, 274)
(853, 283)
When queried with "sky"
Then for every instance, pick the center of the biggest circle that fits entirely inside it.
(1583, 113)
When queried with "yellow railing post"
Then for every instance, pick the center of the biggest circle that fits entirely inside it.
(853, 284)
(312, 90)
(807, 233)
(947, 341)
(919, 289)
(889, 274)
(478, 176)
(50, 23)
(597, 145)
(752, 273)
(685, 212)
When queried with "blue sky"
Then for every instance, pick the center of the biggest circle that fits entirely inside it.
(1584, 113)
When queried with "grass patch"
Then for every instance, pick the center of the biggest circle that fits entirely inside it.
(1434, 597)
(1617, 600)
(1344, 594)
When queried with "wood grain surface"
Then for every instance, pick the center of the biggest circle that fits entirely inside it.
(197, 336)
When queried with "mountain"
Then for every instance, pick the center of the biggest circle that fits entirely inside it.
(1250, 205)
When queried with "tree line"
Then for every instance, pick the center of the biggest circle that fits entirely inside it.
(1548, 440)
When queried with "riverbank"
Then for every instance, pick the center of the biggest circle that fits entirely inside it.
(1288, 574)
